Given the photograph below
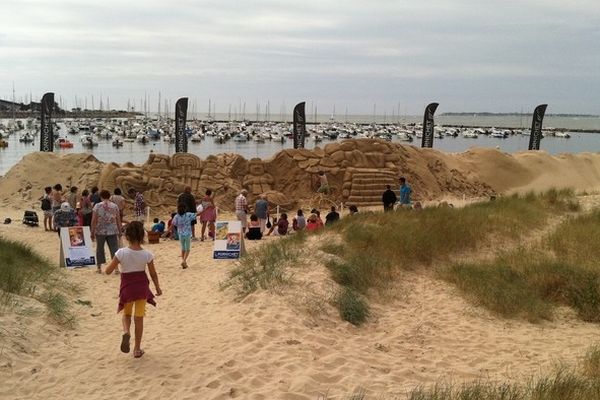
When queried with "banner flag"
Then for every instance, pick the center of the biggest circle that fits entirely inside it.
(181, 145)
(427, 140)
(536, 127)
(299, 126)
(46, 129)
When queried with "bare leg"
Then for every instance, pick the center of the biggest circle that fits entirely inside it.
(203, 230)
(126, 323)
(139, 330)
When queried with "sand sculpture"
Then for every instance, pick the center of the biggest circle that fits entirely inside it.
(358, 171)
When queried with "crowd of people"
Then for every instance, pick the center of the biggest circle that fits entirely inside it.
(104, 213)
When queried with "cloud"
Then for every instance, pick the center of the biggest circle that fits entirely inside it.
(326, 49)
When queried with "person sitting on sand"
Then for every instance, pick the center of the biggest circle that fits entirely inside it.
(388, 199)
(318, 215)
(283, 225)
(254, 229)
(332, 216)
(313, 223)
(135, 288)
(172, 230)
(353, 210)
(159, 226)
(405, 192)
(299, 222)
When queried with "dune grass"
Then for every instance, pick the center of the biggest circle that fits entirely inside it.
(24, 273)
(564, 269)
(267, 267)
(375, 246)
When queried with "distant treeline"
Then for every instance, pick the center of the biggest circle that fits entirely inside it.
(513, 114)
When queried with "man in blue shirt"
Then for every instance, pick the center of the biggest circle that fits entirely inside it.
(405, 192)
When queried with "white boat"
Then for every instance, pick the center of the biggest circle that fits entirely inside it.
(168, 138)
(88, 141)
(141, 138)
(405, 137)
(196, 137)
(240, 137)
(470, 134)
(562, 134)
(26, 137)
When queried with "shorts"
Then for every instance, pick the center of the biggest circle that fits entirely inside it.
(243, 217)
(48, 213)
(323, 189)
(140, 308)
(186, 242)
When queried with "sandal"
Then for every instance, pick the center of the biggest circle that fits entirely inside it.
(125, 342)
(184, 265)
(99, 270)
(138, 353)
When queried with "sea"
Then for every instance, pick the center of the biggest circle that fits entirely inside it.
(138, 153)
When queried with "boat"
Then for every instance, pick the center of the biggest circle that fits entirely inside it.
(26, 138)
(317, 138)
(141, 138)
(64, 143)
(405, 137)
(128, 140)
(240, 137)
(470, 134)
(560, 134)
(196, 137)
(117, 142)
(88, 141)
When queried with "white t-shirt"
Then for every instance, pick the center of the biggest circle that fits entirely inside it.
(133, 260)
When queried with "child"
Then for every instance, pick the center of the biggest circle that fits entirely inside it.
(183, 222)
(172, 233)
(299, 223)
(283, 225)
(135, 287)
(46, 200)
(159, 226)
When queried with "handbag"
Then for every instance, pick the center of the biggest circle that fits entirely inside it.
(269, 225)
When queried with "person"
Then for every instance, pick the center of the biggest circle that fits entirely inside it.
(64, 217)
(172, 232)
(46, 206)
(261, 209)
(405, 192)
(139, 205)
(273, 228)
(283, 225)
(95, 196)
(353, 209)
(332, 216)
(119, 200)
(105, 228)
(299, 223)
(183, 222)
(189, 200)
(72, 197)
(312, 224)
(86, 208)
(159, 226)
(388, 199)
(208, 216)
(323, 183)
(254, 229)
(135, 290)
(241, 208)
(57, 197)
(318, 216)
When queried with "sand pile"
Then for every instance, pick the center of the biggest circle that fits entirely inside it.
(358, 171)
(24, 184)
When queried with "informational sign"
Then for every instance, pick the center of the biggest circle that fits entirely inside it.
(229, 240)
(76, 248)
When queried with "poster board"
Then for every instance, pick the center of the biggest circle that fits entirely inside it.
(76, 248)
(229, 240)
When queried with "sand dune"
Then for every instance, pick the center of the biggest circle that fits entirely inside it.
(201, 343)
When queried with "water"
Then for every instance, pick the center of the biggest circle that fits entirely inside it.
(138, 153)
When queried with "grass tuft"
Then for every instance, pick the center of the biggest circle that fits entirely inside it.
(353, 308)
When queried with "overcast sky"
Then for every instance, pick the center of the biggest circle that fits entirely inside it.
(483, 55)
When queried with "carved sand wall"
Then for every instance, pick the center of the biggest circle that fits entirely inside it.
(357, 170)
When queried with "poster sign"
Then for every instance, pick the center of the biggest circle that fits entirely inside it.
(76, 247)
(229, 240)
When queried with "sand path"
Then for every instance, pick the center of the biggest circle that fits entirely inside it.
(201, 344)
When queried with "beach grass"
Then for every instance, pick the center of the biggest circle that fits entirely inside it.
(23, 273)
(267, 267)
(352, 306)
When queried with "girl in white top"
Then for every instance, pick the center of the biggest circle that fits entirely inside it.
(135, 286)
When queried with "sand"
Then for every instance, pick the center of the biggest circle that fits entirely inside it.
(201, 343)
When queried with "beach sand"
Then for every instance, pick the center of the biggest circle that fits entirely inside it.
(201, 343)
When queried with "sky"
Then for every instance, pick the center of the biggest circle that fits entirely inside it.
(382, 56)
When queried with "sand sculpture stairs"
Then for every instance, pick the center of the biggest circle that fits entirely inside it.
(367, 186)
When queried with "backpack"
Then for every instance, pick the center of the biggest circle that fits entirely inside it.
(46, 204)
(30, 218)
